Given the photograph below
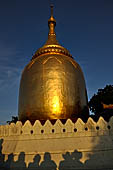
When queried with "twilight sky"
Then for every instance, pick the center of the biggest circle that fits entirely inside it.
(84, 27)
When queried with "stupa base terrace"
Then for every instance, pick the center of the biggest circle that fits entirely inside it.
(69, 146)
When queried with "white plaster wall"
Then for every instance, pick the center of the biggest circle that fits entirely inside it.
(89, 145)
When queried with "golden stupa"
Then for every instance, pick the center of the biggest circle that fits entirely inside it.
(52, 85)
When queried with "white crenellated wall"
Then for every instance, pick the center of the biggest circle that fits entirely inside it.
(91, 141)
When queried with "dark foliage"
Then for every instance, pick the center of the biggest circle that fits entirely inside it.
(103, 97)
(14, 120)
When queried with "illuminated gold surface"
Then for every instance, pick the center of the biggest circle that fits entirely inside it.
(52, 84)
(52, 87)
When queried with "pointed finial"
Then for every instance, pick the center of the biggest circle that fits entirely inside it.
(51, 10)
(51, 23)
(51, 17)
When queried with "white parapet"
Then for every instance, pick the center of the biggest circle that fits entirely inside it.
(65, 146)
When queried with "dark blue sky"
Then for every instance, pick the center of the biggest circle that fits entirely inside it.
(84, 27)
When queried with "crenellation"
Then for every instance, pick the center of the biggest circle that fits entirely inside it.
(91, 124)
(79, 128)
(69, 126)
(26, 128)
(79, 125)
(3, 130)
(47, 127)
(58, 126)
(36, 127)
(102, 124)
(13, 129)
(19, 127)
(111, 123)
(6, 130)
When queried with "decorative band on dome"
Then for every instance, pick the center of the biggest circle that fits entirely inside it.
(52, 49)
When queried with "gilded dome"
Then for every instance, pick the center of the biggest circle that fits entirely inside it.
(52, 85)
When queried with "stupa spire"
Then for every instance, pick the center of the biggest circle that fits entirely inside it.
(52, 23)
(51, 45)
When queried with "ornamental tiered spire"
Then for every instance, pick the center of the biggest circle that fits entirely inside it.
(52, 35)
(51, 23)
(51, 45)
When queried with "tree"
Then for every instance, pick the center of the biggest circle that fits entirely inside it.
(14, 120)
(101, 104)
